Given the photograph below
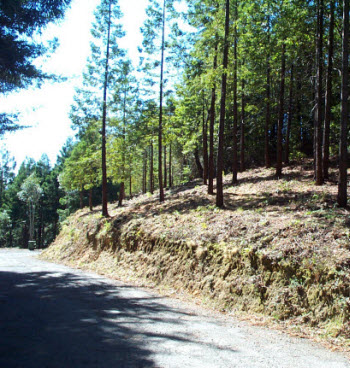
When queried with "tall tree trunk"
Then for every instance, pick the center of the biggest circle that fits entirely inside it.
(31, 221)
(299, 113)
(104, 115)
(281, 114)
(165, 169)
(81, 197)
(122, 184)
(290, 115)
(198, 163)
(242, 144)
(42, 235)
(40, 228)
(220, 156)
(235, 104)
(343, 164)
(130, 186)
(90, 199)
(160, 128)
(211, 131)
(151, 170)
(268, 99)
(144, 173)
(205, 145)
(328, 102)
(170, 167)
(318, 109)
(268, 117)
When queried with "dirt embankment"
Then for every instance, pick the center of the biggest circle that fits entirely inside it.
(279, 249)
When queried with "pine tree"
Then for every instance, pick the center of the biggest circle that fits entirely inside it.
(328, 99)
(318, 97)
(154, 43)
(220, 158)
(103, 69)
(343, 152)
(235, 103)
(281, 113)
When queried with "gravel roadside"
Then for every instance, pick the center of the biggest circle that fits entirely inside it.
(55, 316)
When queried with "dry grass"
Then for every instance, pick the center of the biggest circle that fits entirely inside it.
(291, 215)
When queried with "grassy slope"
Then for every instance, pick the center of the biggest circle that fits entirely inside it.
(280, 249)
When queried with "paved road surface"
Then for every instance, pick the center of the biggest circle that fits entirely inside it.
(54, 316)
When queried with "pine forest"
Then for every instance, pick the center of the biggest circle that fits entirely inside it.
(216, 163)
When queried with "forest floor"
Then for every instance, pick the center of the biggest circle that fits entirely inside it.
(278, 254)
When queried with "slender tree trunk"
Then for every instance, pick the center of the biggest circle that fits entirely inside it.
(144, 176)
(268, 100)
(211, 131)
(90, 199)
(130, 186)
(343, 164)
(242, 144)
(220, 156)
(328, 102)
(81, 197)
(170, 167)
(198, 163)
(205, 146)
(40, 227)
(290, 115)
(151, 170)
(281, 114)
(122, 184)
(299, 112)
(42, 236)
(31, 221)
(182, 164)
(165, 169)
(268, 117)
(104, 115)
(235, 104)
(11, 235)
(160, 128)
(318, 110)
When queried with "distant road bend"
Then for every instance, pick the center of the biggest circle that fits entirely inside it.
(54, 316)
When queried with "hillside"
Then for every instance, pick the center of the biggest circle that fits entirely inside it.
(279, 252)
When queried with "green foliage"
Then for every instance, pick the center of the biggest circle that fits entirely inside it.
(259, 28)
(81, 170)
(5, 226)
(30, 193)
(32, 177)
(20, 20)
(30, 190)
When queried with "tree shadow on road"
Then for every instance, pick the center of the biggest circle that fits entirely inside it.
(64, 320)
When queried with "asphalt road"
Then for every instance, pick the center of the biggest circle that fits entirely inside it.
(54, 316)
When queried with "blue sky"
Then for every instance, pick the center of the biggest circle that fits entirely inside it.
(46, 109)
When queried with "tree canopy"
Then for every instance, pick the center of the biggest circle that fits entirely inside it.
(21, 22)
(282, 100)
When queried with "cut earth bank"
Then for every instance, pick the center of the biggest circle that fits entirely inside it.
(278, 254)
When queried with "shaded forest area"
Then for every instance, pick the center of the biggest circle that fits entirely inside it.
(221, 86)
